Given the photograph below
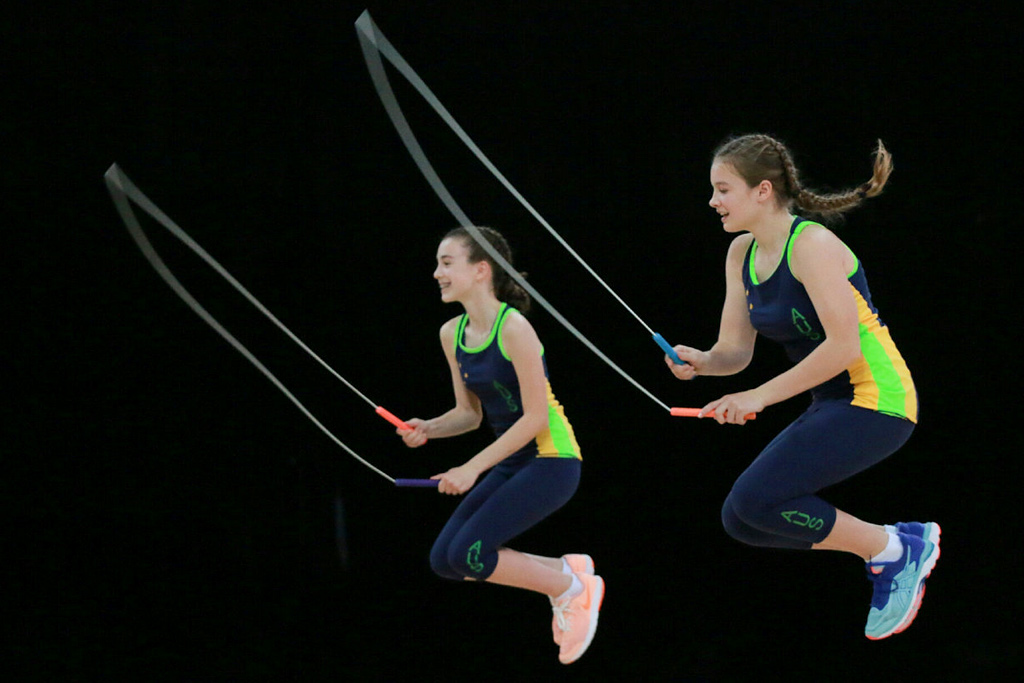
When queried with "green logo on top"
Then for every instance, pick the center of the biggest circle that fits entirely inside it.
(803, 326)
(507, 395)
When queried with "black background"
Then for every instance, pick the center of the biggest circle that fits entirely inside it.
(180, 520)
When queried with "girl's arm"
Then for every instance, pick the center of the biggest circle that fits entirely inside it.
(735, 346)
(524, 349)
(821, 262)
(464, 417)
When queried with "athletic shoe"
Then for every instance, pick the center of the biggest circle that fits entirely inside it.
(579, 564)
(897, 592)
(577, 618)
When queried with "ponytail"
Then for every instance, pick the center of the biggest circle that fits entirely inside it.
(762, 157)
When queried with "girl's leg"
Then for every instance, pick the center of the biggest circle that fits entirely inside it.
(852, 535)
(523, 571)
(551, 562)
(439, 553)
(831, 442)
(530, 494)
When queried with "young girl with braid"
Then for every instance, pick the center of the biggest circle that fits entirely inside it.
(533, 465)
(794, 281)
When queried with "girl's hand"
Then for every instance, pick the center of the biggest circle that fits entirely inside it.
(694, 358)
(415, 437)
(457, 480)
(734, 408)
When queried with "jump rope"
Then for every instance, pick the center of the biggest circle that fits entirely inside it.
(124, 192)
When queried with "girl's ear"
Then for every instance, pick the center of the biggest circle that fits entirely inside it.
(765, 190)
(482, 269)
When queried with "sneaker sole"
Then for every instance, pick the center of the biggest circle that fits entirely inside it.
(934, 533)
(912, 613)
(596, 610)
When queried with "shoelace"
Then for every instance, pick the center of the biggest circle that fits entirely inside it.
(560, 608)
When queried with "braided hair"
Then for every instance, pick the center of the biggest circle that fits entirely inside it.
(505, 288)
(760, 157)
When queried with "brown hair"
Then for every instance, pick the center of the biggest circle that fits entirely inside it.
(761, 157)
(505, 288)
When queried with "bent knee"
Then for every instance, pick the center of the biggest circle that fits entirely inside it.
(440, 564)
(467, 561)
(733, 525)
(747, 507)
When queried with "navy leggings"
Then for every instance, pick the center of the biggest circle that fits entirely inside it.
(773, 503)
(505, 503)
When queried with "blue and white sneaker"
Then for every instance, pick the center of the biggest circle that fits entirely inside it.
(899, 587)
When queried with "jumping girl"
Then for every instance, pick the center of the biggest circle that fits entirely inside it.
(792, 280)
(533, 465)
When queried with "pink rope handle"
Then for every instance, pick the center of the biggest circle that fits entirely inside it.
(695, 412)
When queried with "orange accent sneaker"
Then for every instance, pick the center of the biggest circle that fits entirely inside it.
(577, 618)
(579, 564)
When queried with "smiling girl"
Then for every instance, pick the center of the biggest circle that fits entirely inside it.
(795, 282)
(532, 467)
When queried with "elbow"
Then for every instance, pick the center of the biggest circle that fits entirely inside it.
(743, 361)
(538, 421)
(472, 418)
(736, 364)
(850, 353)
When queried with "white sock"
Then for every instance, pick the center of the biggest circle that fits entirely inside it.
(890, 528)
(566, 569)
(893, 550)
(575, 588)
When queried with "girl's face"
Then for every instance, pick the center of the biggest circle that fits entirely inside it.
(739, 205)
(455, 275)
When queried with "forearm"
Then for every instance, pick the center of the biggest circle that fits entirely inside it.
(824, 363)
(725, 359)
(458, 420)
(522, 431)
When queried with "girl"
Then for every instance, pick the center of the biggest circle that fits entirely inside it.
(533, 466)
(795, 282)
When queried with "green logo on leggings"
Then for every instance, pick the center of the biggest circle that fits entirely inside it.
(473, 558)
(803, 519)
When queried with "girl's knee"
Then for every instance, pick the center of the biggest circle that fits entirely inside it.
(458, 561)
(748, 506)
(741, 529)
(733, 525)
(740, 519)
(440, 564)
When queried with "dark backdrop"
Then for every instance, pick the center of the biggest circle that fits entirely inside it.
(181, 520)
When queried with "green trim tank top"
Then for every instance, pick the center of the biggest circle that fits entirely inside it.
(781, 310)
(488, 372)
